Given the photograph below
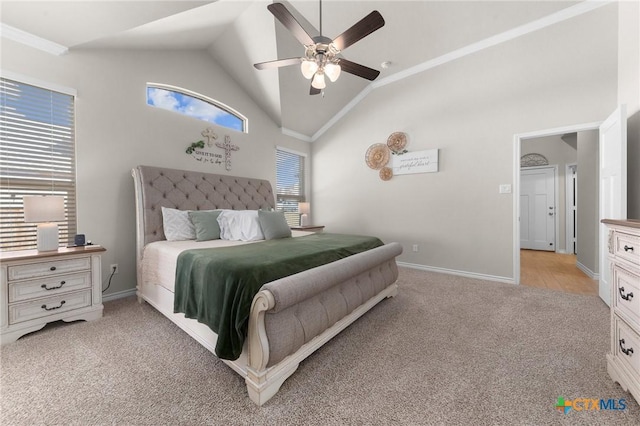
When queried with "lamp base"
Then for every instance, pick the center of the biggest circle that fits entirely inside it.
(304, 219)
(48, 236)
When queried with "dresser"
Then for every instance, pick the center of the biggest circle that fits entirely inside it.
(623, 362)
(40, 287)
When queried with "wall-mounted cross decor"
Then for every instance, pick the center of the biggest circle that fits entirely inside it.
(228, 147)
(210, 135)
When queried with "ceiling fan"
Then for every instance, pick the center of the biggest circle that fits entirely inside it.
(321, 53)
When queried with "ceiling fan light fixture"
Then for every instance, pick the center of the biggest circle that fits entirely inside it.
(308, 69)
(332, 71)
(318, 81)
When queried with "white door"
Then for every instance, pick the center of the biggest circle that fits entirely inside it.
(613, 186)
(571, 197)
(537, 208)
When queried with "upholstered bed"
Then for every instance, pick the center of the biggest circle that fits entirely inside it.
(290, 317)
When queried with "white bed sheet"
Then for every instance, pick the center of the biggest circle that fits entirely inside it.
(160, 258)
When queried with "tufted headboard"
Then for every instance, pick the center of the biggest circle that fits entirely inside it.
(158, 187)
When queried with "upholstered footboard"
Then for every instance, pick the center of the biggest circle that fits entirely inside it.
(295, 315)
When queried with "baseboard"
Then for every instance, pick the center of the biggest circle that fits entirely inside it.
(118, 295)
(588, 272)
(456, 272)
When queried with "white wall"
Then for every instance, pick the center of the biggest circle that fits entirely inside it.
(470, 109)
(116, 130)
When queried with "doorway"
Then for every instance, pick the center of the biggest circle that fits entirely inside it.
(611, 186)
(518, 141)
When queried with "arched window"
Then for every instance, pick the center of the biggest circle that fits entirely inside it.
(195, 105)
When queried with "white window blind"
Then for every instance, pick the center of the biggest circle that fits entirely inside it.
(37, 157)
(289, 184)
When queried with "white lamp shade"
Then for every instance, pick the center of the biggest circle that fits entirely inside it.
(308, 69)
(40, 208)
(332, 71)
(318, 81)
(304, 208)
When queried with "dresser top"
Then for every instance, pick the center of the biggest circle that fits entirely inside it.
(35, 254)
(631, 223)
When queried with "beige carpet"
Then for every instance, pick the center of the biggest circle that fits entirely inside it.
(446, 350)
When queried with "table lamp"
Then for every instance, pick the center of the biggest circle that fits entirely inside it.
(44, 210)
(304, 209)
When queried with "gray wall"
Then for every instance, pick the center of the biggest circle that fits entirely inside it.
(470, 109)
(116, 130)
(588, 206)
(559, 153)
(629, 94)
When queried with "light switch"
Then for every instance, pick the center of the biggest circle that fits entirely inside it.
(505, 188)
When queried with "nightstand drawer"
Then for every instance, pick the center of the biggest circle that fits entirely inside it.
(627, 346)
(48, 306)
(42, 269)
(43, 287)
(627, 247)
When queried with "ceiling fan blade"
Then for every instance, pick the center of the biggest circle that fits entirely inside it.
(286, 18)
(359, 30)
(359, 70)
(277, 63)
(314, 91)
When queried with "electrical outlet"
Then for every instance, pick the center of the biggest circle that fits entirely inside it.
(415, 248)
(114, 268)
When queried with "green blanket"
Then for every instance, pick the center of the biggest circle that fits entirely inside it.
(216, 286)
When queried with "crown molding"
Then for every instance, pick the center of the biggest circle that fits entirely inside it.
(15, 34)
(554, 18)
(296, 135)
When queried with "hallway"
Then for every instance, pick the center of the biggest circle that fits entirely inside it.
(545, 269)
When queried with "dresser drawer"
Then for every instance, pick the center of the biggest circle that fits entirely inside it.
(42, 269)
(43, 287)
(39, 308)
(627, 344)
(627, 247)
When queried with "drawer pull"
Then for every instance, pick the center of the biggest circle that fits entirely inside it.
(628, 248)
(53, 268)
(625, 297)
(625, 351)
(63, 302)
(64, 282)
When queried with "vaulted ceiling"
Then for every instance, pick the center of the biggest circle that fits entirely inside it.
(239, 33)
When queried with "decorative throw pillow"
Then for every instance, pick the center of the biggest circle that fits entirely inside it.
(274, 225)
(176, 225)
(206, 224)
(240, 225)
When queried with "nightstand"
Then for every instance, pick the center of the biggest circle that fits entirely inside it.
(41, 287)
(310, 228)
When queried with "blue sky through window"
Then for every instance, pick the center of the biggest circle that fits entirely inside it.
(193, 107)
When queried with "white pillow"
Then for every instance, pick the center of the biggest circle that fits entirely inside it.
(240, 225)
(177, 225)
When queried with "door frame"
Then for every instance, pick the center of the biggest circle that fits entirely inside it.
(517, 140)
(556, 200)
(570, 218)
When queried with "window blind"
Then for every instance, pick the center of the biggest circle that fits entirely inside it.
(289, 184)
(37, 157)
